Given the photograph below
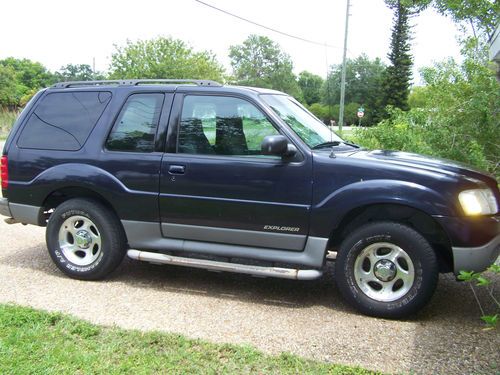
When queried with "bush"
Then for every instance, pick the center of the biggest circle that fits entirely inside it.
(458, 119)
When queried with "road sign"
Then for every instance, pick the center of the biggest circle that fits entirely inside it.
(360, 114)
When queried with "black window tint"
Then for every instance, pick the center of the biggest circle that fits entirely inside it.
(222, 126)
(63, 121)
(136, 126)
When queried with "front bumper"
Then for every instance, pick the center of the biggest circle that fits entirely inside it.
(4, 207)
(470, 231)
(476, 258)
(475, 241)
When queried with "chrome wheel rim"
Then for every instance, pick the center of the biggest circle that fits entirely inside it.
(384, 271)
(80, 240)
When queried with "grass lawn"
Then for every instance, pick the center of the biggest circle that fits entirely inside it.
(37, 342)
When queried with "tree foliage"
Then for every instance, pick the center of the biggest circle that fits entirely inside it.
(260, 62)
(77, 72)
(482, 15)
(9, 93)
(457, 118)
(397, 77)
(163, 58)
(20, 79)
(363, 86)
(310, 85)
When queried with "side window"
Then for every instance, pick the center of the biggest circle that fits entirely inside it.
(135, 128)
(222, 126)
(63, 120)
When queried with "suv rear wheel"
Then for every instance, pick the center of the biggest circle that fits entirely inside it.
(85, 240)
(386, 269)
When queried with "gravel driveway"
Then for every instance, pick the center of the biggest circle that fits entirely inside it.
(308, 318)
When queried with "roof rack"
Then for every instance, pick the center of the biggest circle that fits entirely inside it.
(135, 82)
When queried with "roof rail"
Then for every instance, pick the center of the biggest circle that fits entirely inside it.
(135, 82)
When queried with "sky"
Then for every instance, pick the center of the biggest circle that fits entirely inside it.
(57, 32)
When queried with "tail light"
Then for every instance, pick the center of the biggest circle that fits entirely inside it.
(4, 172)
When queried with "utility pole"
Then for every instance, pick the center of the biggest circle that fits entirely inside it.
(342, 82)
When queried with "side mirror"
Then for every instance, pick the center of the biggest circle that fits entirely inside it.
(277, 145)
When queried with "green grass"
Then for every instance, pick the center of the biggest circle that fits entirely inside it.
(7, 119)
(37, 342)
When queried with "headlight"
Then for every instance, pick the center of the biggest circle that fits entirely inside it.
(478, 202)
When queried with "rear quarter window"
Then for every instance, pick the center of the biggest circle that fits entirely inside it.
(63, 120)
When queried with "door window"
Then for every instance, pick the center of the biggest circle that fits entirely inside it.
(135, 128)
(214, 125)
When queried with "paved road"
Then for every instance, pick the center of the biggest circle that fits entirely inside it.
(307, 318)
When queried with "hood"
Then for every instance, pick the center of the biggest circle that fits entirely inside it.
(437, 165)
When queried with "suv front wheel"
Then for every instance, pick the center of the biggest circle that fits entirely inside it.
(85, 239)
(386, 269)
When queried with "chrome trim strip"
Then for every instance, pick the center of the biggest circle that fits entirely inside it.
(284, 273)
(243, 237)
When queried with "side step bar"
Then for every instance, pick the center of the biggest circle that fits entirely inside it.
(283, 273)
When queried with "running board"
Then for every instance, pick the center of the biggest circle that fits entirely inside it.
(283, 273)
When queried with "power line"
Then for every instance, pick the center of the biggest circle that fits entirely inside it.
(266, 27)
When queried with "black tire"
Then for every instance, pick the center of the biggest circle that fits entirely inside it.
(98, 245)
(354, 271)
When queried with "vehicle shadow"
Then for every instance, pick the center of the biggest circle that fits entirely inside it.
(246, 288)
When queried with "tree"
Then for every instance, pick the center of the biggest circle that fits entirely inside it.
(324, 112)
(396, 83)
(30, 74)
(482, 15)
(9, 95)
(260, 62)
(363, 85)
(418, 97)
(28, 77)
(78, 72)
(310, 85)
(163, 58)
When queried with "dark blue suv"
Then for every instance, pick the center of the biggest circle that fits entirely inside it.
(239, 179)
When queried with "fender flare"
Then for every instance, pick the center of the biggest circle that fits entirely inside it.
(329, 212)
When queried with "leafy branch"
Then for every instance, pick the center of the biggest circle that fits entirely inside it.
(478, 279)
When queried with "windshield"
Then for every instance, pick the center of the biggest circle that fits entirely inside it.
(312, 131)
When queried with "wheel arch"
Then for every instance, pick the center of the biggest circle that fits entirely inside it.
(63, 194)
(413, 217)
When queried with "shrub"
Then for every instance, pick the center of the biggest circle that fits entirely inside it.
(458, 119)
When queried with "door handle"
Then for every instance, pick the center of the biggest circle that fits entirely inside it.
(176, 169)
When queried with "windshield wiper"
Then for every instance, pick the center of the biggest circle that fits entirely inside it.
(351, 144)
(327, 144)
(334, 144)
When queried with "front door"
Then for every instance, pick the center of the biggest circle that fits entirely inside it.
(218, 187)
